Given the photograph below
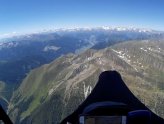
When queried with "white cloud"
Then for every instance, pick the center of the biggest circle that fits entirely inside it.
(7, 35)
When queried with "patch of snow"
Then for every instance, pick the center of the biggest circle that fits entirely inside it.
(103, 69)
(122, 55)
(149, 48)
(154, 50)
(106, 28)
(126, 58)
(100, 62)
(8, 44)
(8, 35)
(89, 58)
(87, 90)
(121, 29)
(136, 69)
(54, 88)
(119, 52)
(50, 91)
(48, 48)
(143, 49)
(85, 66)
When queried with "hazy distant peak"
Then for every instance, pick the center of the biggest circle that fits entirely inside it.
(127, 29)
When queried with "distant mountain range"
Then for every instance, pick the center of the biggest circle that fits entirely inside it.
(51, 92)
(17, 36)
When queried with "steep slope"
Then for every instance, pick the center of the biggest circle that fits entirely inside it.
(25, 52)
(51, 92)
(3, 100)
(25, 55)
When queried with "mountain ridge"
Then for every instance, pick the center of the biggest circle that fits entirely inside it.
(75, 29)
(59, 87)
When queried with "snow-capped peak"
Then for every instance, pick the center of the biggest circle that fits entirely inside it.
(127, 29)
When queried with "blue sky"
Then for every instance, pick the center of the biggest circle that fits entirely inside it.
(34, 15)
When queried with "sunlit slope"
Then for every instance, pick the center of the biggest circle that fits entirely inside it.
(52, 91)
(22, 53)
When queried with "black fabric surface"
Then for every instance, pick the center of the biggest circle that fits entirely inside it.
(111, 87)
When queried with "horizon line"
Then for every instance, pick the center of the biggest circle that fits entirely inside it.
(50, 30)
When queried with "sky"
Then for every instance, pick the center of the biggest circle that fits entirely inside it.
(25, 16)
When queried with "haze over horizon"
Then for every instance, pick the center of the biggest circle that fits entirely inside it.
(35, 15)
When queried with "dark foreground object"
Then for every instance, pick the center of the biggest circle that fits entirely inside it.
(112, 96)
(4, 117)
